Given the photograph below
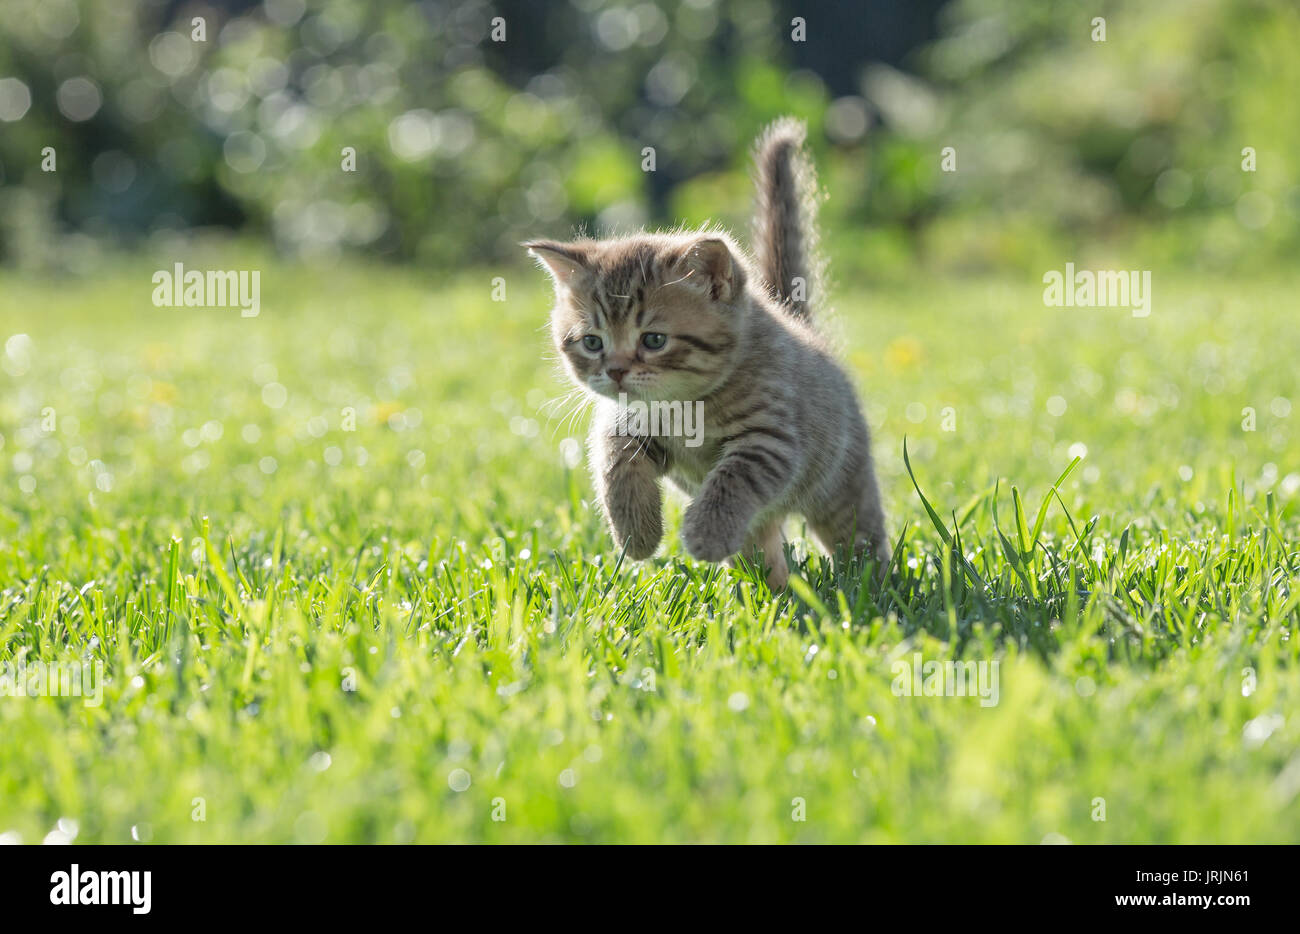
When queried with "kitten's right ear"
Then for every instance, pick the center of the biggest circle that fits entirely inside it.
(564, 261)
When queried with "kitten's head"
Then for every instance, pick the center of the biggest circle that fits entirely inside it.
(656, 316)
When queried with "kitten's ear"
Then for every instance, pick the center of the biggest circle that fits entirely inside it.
(564, 261)
(714, 269)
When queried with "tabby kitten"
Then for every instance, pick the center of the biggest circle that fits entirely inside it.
(690, 316)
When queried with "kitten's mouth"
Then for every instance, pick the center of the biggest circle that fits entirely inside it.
(630, 390)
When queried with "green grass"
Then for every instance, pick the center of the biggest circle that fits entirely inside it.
(448, 567)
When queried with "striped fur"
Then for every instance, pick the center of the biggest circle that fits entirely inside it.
(783, 431)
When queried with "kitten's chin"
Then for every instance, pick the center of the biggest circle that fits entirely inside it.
(606, 391)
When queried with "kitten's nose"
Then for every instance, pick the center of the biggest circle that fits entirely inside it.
(616, 374)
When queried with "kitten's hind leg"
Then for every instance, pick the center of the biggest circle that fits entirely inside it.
(767, 539)
(854, 521)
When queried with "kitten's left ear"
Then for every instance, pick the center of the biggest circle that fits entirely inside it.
(566, 262)
(711, 264)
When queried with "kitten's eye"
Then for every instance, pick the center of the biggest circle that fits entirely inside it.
(653, 340)
(592, 343)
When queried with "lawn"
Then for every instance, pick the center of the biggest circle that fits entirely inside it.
(341, 567)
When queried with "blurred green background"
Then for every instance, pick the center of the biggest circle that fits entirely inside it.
(1065, 147)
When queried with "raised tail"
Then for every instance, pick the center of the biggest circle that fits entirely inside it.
(785, 218)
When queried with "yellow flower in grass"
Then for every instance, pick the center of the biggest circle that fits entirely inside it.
(381, 412)
(904, 352)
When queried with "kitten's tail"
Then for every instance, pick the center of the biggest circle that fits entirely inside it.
(785, 218)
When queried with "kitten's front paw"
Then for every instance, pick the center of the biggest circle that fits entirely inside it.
(711, 533)
(635, 514)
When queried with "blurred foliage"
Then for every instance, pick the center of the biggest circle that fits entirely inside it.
(1137, 139)
(460, 151)
(465, 145)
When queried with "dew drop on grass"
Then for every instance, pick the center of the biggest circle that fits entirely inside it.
(1256, 732)
(63, 832)
(274, 395)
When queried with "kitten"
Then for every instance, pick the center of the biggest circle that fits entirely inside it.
(688, 316)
